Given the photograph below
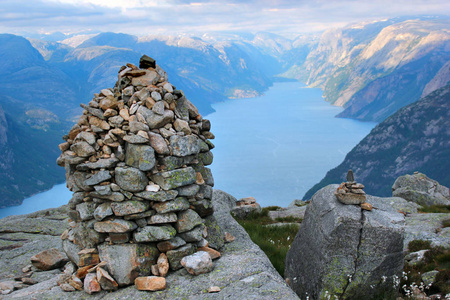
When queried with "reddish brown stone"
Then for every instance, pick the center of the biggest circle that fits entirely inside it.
(229, 238)
(150, 283)
(49, 259)
(91, 284)
(81, 272)
(163, 265)
(89, 259)
(213, 253)
(106, 281)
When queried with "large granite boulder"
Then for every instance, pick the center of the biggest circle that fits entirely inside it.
(420, 189)
(344, 251)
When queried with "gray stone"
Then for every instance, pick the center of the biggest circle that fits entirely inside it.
(402, 205)
(97, 178)
(104, 190)
(158, 143)
(179, 203)
(182, 126)
(146, 62)
(187, 220)
(184, 145)
(142, 215)
(344, 251)
(115, 226)
(214, 231)
(135, 139)
(136, 126)
(93, 111)
(154, 233)
(198, 263)
(162, 218)
(428, 278)
(181, 110)
(86, 210)
(203, 207)
(102, 211)
(420, 189)
(175, 256)
(194, 235)
(85, 235)
(71, 251)
(116, 121)
(129, 207)
(77, 198)
(159, 196)
(188, 190)
(171, 244)
(82, 149)
(130, 179)
(154, 120)
(156, 96)
(241, 212)
(176, 178)
(174, 162)
(128, 261)
(206, 158)
(141, 157)
(114, 196)
(205, 192)
(77, 181)
(158, 108)
(88, 137)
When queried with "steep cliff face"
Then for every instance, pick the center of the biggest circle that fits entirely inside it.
(374, 69)
(416, 138)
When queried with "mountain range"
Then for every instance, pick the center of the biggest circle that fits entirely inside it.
(372, 69)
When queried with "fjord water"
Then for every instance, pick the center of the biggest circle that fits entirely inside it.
(277, 146)
(273, 147)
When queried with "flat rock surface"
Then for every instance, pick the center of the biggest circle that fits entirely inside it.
(243, 269)
(427, 227)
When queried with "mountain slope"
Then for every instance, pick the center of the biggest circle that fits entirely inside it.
(373, 69)
(416, 138)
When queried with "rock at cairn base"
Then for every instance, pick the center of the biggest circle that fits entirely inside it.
(350, 192)
(136, 161)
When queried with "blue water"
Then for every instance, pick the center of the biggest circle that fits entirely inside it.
(277, 146)
(274, 147)
(56, 196)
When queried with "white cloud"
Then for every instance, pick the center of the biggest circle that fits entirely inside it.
(141, 17)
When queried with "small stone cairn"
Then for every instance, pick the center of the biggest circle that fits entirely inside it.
(135, 162)
(351, 192)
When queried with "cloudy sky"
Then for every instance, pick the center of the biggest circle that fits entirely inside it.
(142, 17)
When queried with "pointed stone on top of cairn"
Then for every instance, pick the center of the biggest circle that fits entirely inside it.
(350, 192)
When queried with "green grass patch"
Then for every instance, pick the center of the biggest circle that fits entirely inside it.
(275, 241)
(418, 245)
(435, 209)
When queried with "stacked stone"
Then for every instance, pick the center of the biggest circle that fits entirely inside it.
(351, 192)
(135, 162)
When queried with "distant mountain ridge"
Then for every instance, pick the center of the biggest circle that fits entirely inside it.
(373, 69)
(416, 138)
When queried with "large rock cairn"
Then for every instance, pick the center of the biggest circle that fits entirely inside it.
(135, 162)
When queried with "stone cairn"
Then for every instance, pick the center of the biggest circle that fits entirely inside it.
(351, 192)
(135, 162)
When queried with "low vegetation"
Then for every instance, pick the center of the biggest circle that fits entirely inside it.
(274, 240)
(436, 258)
(435, 209)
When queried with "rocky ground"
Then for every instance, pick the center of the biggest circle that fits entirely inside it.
(243, 268)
